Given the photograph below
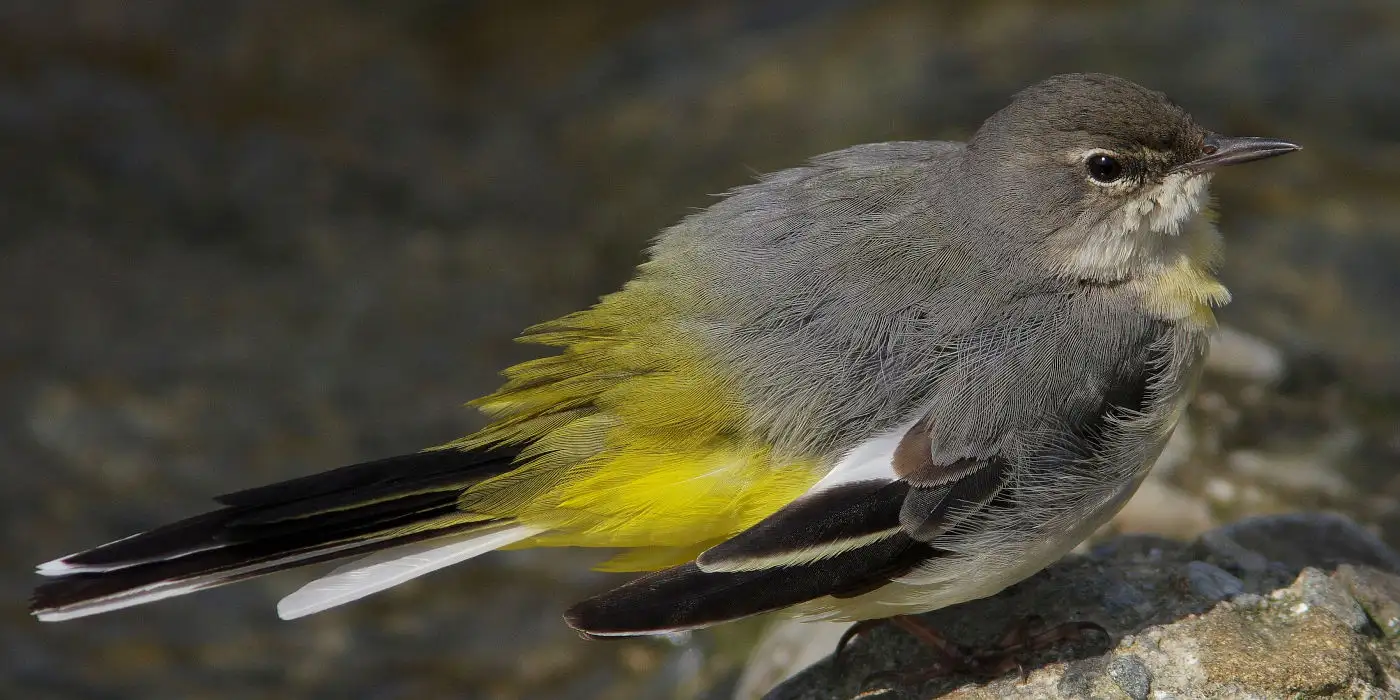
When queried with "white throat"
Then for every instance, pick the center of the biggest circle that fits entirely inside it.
(1157, 225)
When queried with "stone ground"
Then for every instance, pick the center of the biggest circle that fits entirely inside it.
(247, 240)
(1273, 607)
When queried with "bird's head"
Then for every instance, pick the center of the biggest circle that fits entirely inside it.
(1099, 170)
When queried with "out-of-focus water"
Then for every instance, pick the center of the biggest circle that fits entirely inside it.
(244, 241)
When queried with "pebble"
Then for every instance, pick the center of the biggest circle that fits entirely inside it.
(1162, 509)
(1221, 490)
(1212, 582)
(1131, 675)
(1124, 601)
(1303, 473)
(1219, 543)
(1077, 681)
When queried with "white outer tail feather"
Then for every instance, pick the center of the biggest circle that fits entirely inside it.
(391, 567)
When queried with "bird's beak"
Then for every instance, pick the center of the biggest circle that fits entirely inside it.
(1228, 150)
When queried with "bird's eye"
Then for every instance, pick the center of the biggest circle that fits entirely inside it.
(1104, 168)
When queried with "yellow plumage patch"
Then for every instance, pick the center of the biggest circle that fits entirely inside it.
(1185, 290)
(1182, 285)
(632, 439)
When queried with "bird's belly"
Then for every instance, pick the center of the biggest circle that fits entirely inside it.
(1047, 551)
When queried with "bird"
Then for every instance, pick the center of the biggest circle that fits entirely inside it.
(895, 378)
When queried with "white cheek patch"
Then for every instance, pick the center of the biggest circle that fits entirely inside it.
(1172, 203)
(1144, 229)
(1163, 207)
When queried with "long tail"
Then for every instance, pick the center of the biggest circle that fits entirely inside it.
(401, 511)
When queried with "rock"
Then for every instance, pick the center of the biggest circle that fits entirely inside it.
(1377, 592)
(786, 647)
(1131, 675)
(1279, 655)
(1180, 626)
(1212, 582)
(1162, 509)
(1237, 354)
(1219, 545)
(1249, 601)
(1295, 541)
(1314, 472)
(1325, 592)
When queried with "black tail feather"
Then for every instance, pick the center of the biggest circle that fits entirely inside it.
(218, 566)
(345, 512)
(382, 475)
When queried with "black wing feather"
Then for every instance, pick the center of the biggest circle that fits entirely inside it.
(684, 597)
(838, 514)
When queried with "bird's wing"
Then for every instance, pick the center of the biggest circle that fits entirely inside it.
(919, 498)
(843, 539)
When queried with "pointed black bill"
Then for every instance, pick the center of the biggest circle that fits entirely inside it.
(1230, 150)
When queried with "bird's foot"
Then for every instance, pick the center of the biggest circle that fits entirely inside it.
(1012, 651)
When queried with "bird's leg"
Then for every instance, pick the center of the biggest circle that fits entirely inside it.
(952, 654)
(837, 657)
(951, 657)
(931, 638)
(1009, 652)
(1026, 638)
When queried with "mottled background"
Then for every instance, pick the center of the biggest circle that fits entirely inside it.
(241, 241)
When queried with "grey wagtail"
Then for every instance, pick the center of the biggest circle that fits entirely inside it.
(899, 377)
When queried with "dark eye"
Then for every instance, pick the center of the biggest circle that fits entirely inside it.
(1104, 168)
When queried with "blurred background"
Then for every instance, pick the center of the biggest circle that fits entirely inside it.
(242, 241)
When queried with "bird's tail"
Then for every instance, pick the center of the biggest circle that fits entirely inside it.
(400, 514)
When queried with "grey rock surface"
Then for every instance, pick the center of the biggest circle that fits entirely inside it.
(1378, 593)
(1329, 593)
(1212, 582)
(1316, 620)
(1131, 675)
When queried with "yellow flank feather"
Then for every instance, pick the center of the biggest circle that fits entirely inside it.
(632, 439)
